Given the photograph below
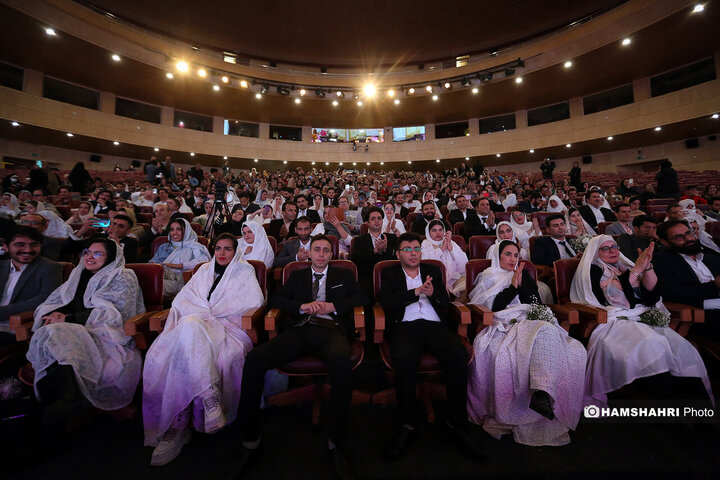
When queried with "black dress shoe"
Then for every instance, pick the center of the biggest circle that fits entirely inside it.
(468, 442)
(247, 458)
(342, 460)
(542, 404)
(396, 449)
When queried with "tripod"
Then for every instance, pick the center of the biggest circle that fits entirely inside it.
(220, 211)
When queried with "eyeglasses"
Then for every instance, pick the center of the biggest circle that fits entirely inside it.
(37, 194)
(411, 249)
(96, 254)
(30, 222)
(608, 249)
(682, 236)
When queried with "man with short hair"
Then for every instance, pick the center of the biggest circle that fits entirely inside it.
(51, 246)
(624, 221)
(416, 305)
(40, 196)
(173, 206)
(103, 205)
(297, 249)
(400, 210)
(427, 215)
(159, 226)
(329, 200)
(317, 305)
(555, 246)
(462, 212)
(64, 196)
(692, 192)
(282, 228)
(26, 278)
(351, 218)
(483, 223)
(674, 212)
(411, 203)
(196, 201)
(246, 205)
(304, 211)
(532, 204)
(644, 232)
(714, 211)
(594, 212)
(372, 247)
(162, 195)
(118, 230)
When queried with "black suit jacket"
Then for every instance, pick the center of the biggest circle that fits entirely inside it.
(475, 226)
(395, 295)
(545, 251)
(456, 215)
(363, 255)
(109, 206)
(678, 282)
(341, 289)
(312, 215)
(274, 229)
(288, 253)
(589, 216)
(35, 284)
(251, 208)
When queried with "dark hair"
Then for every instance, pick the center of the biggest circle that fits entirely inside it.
(110, 247)
(300, 196)
(23, 231)
(302, 219)
(632, 199)
(554, 216)
(570, 211)
(243, 194)
(618, 207)
(105, 190)
(714, 199)
(224, 236)
(180, 222)
(320, 237)
(235, 208)
(535, 196)
(66, 187)
(408, 237)
(374, 209)
(44, 191)
(640, 219)
(125, 218)
(288, 203)
(428, 202)
(506, 243)
(662, 230)
(671, 206)
(174, 200)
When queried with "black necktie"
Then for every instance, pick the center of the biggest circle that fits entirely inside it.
(567, 250)
(316, 285)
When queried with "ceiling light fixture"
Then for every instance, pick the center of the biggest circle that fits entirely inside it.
(497, 155)
(327, 163)
(156, 149)
(264, 88)
(225, 79)
(115, 57)
(610, 138)
(509, 72)
(568, 64)
(657, 129)
(225, 157)
(397, 101)
(170, 75)
(369, 90)
(391, 93)
(429, 88)
(359, 103)
(258, 95)
(715, 116)
(475, 90)
(283, 90)
(532, 150)
(319, 93)
(335, 103)
(435, 98)
(302, 92)
(486, 76)
(244, 83)
(568, 145)
(447, 85)
(202, 73)
(465, 82)
(411, 91)
(116, 143)
(409, 162)
(382, 163)
(437, 160)
(50, 31)
(339, 94)
(626, 42)
(312, 163)
(255, 160)
(15, 124)
(698, 8)
(284, 162)
(519, 80)
(192, 154)
(367, 163)
(467, 158)
(181, 66)
(216, 88)
(69, 134)
(297, 100)
(354, 163)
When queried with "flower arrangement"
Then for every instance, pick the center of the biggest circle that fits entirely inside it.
(538, 311)
(655, 318)
(579, 244)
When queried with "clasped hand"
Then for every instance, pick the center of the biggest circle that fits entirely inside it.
(54, 317)
(426, 288)
(317, 307)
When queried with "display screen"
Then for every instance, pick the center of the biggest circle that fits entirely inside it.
(339, 135)
(405, 134)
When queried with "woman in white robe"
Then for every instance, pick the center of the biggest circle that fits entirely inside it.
(510, 201)
(10, 205)
(527, 376)
(524, 228)
(624, 349)
(79, 331)
(392, 224)
(194, 368)
(576, 224)
(555, 205)
(438, 245)
(255, 245)
(180, 254)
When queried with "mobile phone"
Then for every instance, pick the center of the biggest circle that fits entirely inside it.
(631, 181)
(102, 222)
(155, 191)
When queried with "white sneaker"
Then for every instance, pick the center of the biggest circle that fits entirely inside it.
(214, 415)
(170, 446)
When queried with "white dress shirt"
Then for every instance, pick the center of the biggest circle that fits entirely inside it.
(563, 253)
(306, 246)
(422, 308)
(704, 275)
(599, 217)
(12, 280)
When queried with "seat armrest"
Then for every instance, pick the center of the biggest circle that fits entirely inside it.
(480, 314)
(271, 321)
(544, 272)
(462, 317)
(138, 327)
(252, 322)
(359, 318)
(590, 317)
(566, 315)
(379, 314)
(14, 321)
(680, 312)
(157, 320)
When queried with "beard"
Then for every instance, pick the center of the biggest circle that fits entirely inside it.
(689, 248)
(429, 216)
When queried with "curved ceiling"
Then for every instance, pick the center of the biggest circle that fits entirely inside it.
(370, 34)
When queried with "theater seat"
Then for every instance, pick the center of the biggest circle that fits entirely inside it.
(461, 242)
(602, 226)
(459, 229)
(590, 317)
(503, 216)
(479, 245)
(150, 278)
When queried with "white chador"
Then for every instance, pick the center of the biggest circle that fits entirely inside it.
(624, 349)
(454, 260)
(512, 360)
(106, 362)
(201, 346)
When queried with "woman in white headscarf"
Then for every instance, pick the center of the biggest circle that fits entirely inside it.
(577, 225)
(555, 205)
(438, 245)
(194, 368)
(180, 254)
(56, 226)
(261, 198)
(691, 214)
(527, 376)
(81, 213)
(705, 240)
(392, 224)
(79, 350)
(524, 228)
(624, 349)
(428, 197)
(510, 201)
(255, 245)
(10, 205)
(182, 206)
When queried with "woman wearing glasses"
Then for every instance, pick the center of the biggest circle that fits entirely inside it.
(79, 351)
(194, 368)
(625, 349)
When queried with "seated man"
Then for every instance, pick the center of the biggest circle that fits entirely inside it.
(687, 276)
(159, 225)
(532, 204)
(428, 215)
(297, 249)
(714, 211)
(317, 304)
(416, 302)
(400, 209)
(40, 196)
(674, 212)
(282, 228)
(594, 212)
(103, 205)
(411, 203)
(64, 196)
(554, 246)
(462, 212)
(372, 248)
(624, 221)
(352, 217)
(304, 211)
(118, 230)
(644, 232)
(483, 223)
(51, 246)
(26, 278)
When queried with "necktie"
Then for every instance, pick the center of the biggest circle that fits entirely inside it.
(316, 285)
(567, 250)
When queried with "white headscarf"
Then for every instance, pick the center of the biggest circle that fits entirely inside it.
(56, 226)
(510, 201)
(491, 251)
(690, 213)
(183, 208)
(105, 360)
(454, 260)
(258, 197)
(188, 251)
(398, 223)
(437, 209)
(14, 208)
(572, 228)
(262, 249)
(560, 205)
(492, 281)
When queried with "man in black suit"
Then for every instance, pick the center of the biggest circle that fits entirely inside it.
(644, 232)
(400, 210)
(297, 249)
(304, 211)
(594, 212)
(555, 246)
(244, 199)
(372, 247)
(462, 212)
(416, 307)
(317, 305)
(532, 204)
(330, 200)
(118, 230)
(103, 205)
(428, 215)
(196, 201)
(687, 276)
(483, 223)
(26, 278)
(282, 228)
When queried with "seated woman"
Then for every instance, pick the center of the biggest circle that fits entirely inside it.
(255, 244)
(180, 254)
(438, 245)
(576, 224)
(194, 368)
(392, 224)
(209, 212)
(79, 351)
(555, 205)
(56, 226)
(625, 349)
(524, 229)
(235, 223)
(10, 206)
(635, 207)
(527, 376)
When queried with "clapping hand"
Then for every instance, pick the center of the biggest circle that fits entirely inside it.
(491, 219)
(303, 254)
(426, 288)
(517, 276)
(644, 258)
(381, 244)
(447, 242)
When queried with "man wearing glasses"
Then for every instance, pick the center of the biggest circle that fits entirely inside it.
(40, 196)
(688, 276)
(416, 306)
(51, 247)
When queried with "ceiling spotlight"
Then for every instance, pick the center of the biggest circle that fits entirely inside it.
(532, 150)
(340, 163)
(156, 149)
(116, 143)
(170, 75)
(475, 90)
(411, 91)
(698, 8)
(264, 88)
(359, 103)
(69, 134)
(626, 42)
(244, 83)
(335, 103)
(367, 163)
(312, 163)
(465, 82)
(225, 157)
(302, 92)
(657, 129)
(369, 90)
(356, 96)
(437, 160)
(258, 95)
(518, 80)
(429, 88)
(610, 138)
(568, 64)
(409, 162)
(50, 31)
(225, 79)
(435, 98)
(327, 163)
(297, 100)
(715, 116)
(284, 162)
(382, 163)
(229, 58)
(568, 145)
(397, 101)
(192, 154)
(447, 84)
(497, 155)
(255, 160)
(115, 57)
(216, 88)
(467, 158)
(283, 90)
(354, 163)
(391, 93)
(339, 94)
(319, 93)
(181, 66)
(202, 72)
(509, 72)
(15, 124)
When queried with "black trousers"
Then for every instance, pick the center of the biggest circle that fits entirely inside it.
(330, 344)
(408, 342)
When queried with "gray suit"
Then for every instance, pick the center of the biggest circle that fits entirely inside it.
(35, 284)
(615, 229)
(288, 253)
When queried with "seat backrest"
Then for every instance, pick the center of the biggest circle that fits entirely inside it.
(261, 274)
(292, 266)
(444, 210)
(479, 245)
(144, 217)
(410, 219)
(67, 269)
(461, 242)
(659, 216)
(564, 273)
(273, 244)
(660, 201)
(713, 228)
(542, 219)
(146, 209)
(377, 272)
(602, 226)
(459, 228)
(64, 210)
(150, 278)
(197, 228)
(364, 228)
(187, 216)
(502, 216)
(653, 209)
(703, 207)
